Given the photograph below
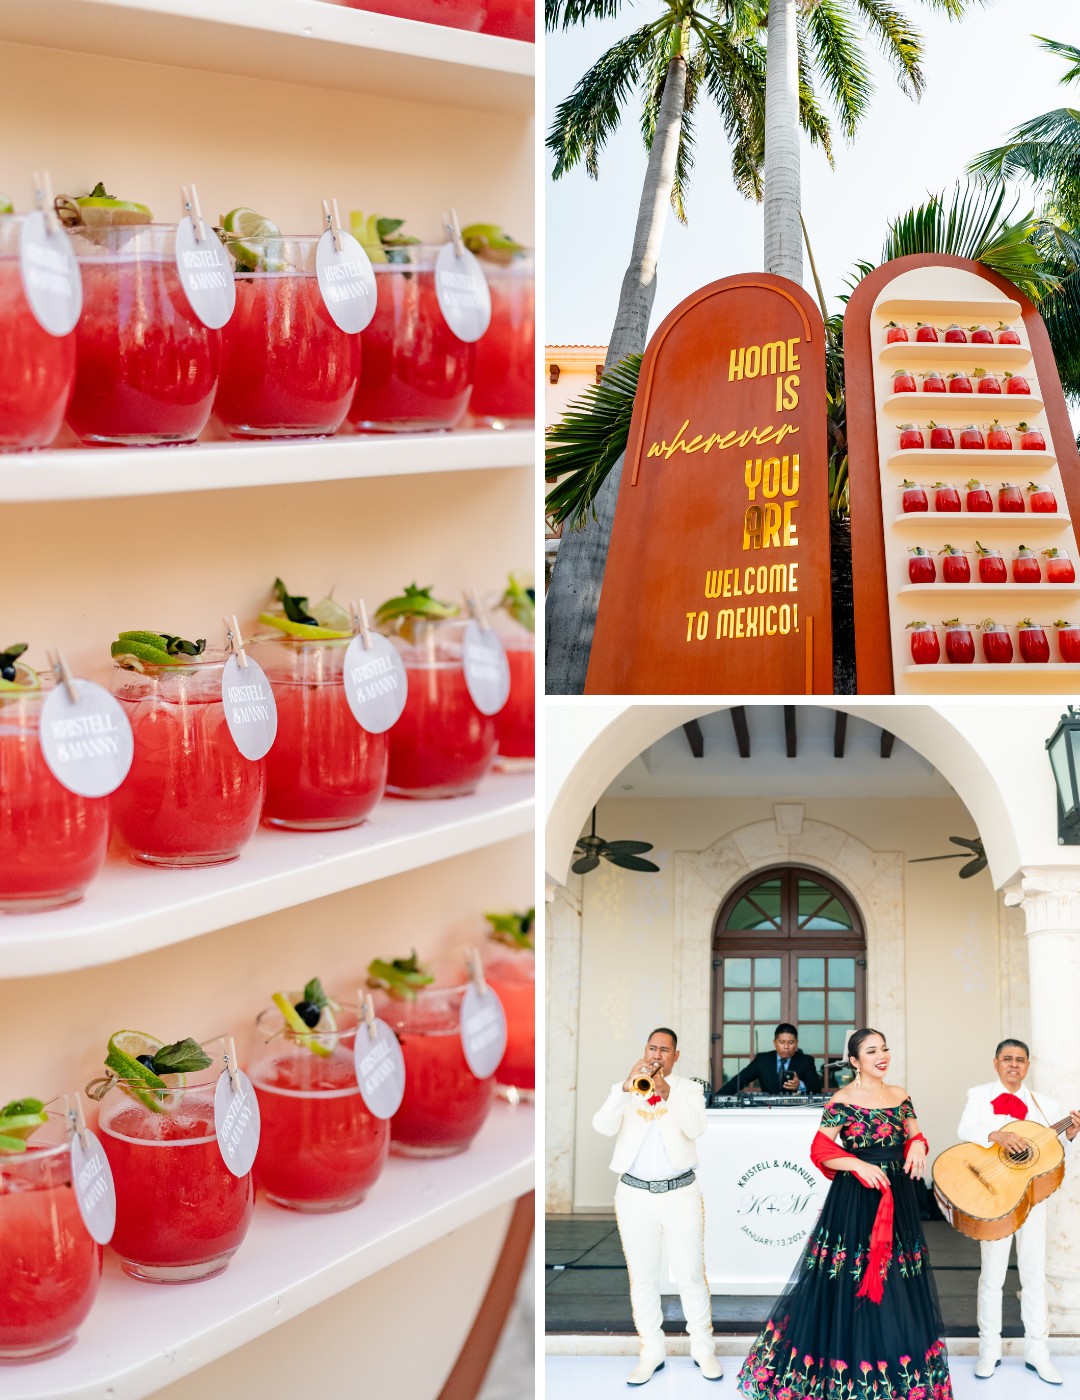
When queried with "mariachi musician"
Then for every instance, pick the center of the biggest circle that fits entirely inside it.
(988, 1109)
(784, 1069)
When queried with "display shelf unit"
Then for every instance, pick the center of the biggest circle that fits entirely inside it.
(972, 405)
(938, 355)
(140, 1337)
(962, 519)
(1027, 464)
(1014, 670)
(132, 909)
(959, 309)
(98, 474)
(1039, 593)
(309, 42)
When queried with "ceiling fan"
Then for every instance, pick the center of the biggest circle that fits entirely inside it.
(626, 854)
(974, 849)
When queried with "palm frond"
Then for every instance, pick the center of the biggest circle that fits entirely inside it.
(812, 115)
(587, 442)
(1069, 52)
(561, 14)
(1060, 308)
(899, 40)
(1046, 149)
(839, 62)
(584, 120)
(684, 158)
(734, 79)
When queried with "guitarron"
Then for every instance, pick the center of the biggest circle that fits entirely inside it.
(986, 1194)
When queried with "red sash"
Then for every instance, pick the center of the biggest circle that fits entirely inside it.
(822, 1150)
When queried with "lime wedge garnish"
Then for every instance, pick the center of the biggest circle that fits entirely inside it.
(26, 678)
(6, 206)
(253, 240)
(330, 613)
(127, 651)
(492, 243)
(18, 1120)
(299, 1027)
(99, 211)
(136, 1079)
(308, 631)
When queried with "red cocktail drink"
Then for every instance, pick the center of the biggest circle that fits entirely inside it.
(515, 724)
(988, 383)
(971, 439)
(981, 335)
(417, 374)
(934, 383)
(511, 975)
(1059, 567)
(513, 19)
(37, 370)
(921, 566)
(997, 645)
(895, 333)
(504, 380)
(442, 745)
(444, 1104)
(324, 770)
(1010, 499)
(979, 498)
(910, 436)
(1007, 335)
(180, 1213)
(50, 1268)
(190, 798)
(959, 645)
(1042, 499)
(52, 841)
(955, 567)
(903, 382)
(946, 498)
(959, 384)
(1068, 639)
(1031, 439)
(1025, 566)
(319, 1147)
(992, 567)
(998, 439)
(926, 334)
(956, 335)
(925, 647)
(913, 498)
(1034, 646)
(287, 370)
(1017, 384)
(146, 366)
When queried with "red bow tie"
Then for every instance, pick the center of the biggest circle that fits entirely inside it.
(653, 1099)
(1010, 1104)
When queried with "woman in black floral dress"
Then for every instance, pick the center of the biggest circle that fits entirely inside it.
(859, 1319)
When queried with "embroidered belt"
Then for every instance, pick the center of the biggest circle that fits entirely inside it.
(672, 1184)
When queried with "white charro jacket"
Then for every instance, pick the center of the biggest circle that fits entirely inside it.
(681, 1118)
(979, 1119)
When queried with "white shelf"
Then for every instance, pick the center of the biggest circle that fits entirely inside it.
(1013, 668)
(132, 909)
(985, 311)
(307, 42)
(964, 403)
(1025, 463)
(1035, 590)
(966, 356)
(140, 1337)
(95, 474)
(975, 518)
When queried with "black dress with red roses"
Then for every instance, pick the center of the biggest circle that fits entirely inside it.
(821, 1341)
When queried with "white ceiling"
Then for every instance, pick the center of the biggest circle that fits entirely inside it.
(669, 769)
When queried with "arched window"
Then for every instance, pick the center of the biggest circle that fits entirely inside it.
(788, 945)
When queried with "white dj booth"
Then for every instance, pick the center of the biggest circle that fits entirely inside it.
(762, 1193)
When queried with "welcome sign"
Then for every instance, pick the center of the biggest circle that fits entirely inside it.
(717, 576)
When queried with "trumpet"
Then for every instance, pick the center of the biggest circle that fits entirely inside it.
(644, 1084)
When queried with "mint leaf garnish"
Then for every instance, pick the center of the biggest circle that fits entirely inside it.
(515, 930)
(400, 977)
(183, 1057)
(313, 992)
(415, 602)
(17, 1107)
(295, 607)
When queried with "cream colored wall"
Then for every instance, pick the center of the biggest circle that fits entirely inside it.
(574, 379)
(953, 976)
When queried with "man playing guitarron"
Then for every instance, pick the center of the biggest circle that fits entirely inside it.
(987, 1111)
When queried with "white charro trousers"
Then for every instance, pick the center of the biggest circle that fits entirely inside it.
(1031, 1262)
(676, 1219)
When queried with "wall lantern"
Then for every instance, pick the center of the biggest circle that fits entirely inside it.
(1063, 747)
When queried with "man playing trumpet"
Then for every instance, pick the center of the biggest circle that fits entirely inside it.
(656, 1116)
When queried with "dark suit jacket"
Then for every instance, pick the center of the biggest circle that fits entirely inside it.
(763, 1069)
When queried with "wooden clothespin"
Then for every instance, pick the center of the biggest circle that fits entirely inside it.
(367, 1007)
(477, 609)
(453, 229)
(360, 622)
(230, 1062)
(73, 1112)
(333, 222)
(476, 968)
(192, 208)
(43, 198)
(234, 642)
(58, 662)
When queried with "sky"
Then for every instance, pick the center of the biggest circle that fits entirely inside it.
(984, 75)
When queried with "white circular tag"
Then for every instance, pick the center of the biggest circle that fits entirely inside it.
(483, 1030)
(487, 671)
(50, 275)
(87, 742)
(376, 683)
(250, 707)
(463, 293)
(380, 1069)
(205, 273)
(236, 1121)
(95, 1191)
(347, 281)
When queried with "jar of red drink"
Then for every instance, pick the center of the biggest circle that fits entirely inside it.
(1041, 499)
(978, 498)
(1031, 439)
(1007, 335)
(513, 19)
(998, 438)
(959, 643)
(894, 333)
(1025, 565)
(925, 647)
(982, 335)
(1059, 567)
(146, 366)
(445, 1104)
(191, 798)
(50, 1267)
(1010, 499)
(324, 770)
(941, 437)
(913, 497)
(287, 368)
(510, 972)
(933, 382)
(1034, 646)
(52, 841)
(514, 617)
(971, 439)
(181, 1214)
(910, 436)
(955, 565)
(443, 745)
(37, 368)
(921, 566)
(955, 335)
(959, 383)
(924, 334)
(946, 497)
(1068, 640)
(988, 383)
(320, 1149)
(991, 565)
(997, 644)
(1017, 384)
(903, 382)
(417, 374)
(504, 380)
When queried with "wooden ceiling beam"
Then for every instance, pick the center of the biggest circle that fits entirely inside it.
(887, 741)
(695, 738)
(741, 728)
(790, 731)
(839, 734)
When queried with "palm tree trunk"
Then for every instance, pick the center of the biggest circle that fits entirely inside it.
(574, 594)
(783, 245)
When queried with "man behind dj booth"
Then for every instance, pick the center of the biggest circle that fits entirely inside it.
(783, 1070)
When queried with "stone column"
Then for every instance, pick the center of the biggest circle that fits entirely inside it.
(563, 982)
(1050, 899)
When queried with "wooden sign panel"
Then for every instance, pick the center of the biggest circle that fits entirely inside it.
(955, 444)
(717, 577)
